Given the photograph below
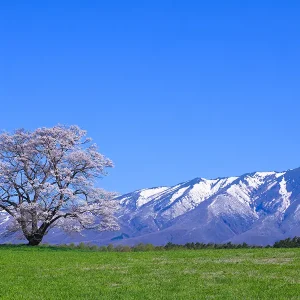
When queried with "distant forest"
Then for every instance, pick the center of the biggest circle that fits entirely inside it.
(287, 243)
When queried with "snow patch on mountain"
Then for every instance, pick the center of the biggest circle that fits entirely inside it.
(4, 220)
(141, 197)
(206, 188)
(178, 194)
(147, 195)
(285, 196)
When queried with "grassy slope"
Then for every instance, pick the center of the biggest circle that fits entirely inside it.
(42, 273)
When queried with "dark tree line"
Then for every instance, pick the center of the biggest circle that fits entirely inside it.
(287, 243)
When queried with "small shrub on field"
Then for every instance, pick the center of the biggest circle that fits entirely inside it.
(103, 249)
(110, 248)
(121, 248)
(143, 247)
(93, 247)
(82, 246)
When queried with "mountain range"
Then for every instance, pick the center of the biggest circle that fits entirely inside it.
(257, 208)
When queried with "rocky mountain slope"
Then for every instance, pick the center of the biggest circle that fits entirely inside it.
(257, 208)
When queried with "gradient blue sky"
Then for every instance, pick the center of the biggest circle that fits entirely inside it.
(169, 90)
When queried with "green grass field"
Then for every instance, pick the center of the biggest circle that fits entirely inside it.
(49, 273)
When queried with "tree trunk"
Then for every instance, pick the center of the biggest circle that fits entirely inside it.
(34, 239)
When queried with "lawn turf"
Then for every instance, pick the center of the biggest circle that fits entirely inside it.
(57, 273)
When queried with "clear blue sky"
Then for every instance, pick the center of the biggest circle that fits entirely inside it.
(169, 90)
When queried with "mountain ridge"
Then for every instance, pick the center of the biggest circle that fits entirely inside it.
(257, 208)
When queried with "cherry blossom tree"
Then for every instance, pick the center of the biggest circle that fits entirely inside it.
(48, 178)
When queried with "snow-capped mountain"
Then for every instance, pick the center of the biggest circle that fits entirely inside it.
(257, 208)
